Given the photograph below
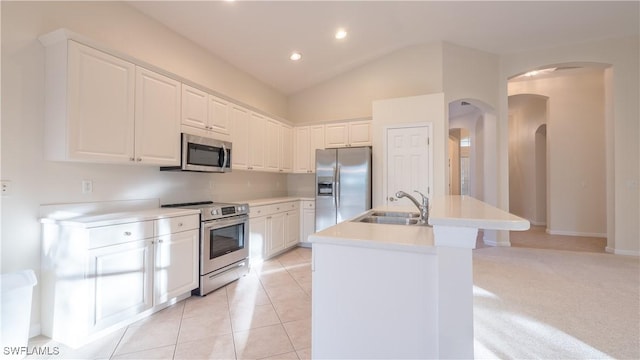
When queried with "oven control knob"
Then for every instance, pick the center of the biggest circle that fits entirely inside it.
(214, 212)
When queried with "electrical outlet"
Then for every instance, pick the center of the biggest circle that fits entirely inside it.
(6, 187)
(87, 186)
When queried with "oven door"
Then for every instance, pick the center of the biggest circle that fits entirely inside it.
(224, 242)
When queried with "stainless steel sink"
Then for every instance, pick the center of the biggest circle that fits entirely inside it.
(390, 217)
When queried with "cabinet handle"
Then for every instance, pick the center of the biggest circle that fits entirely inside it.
(139, 159)
(160, 241)
(179, 224)
(132, 159)
(127, 233)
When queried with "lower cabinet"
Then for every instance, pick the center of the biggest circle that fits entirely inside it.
(120, 282)
(308, 224)
(104, 277)
(273, 229)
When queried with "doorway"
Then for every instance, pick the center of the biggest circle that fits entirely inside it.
(407, 161)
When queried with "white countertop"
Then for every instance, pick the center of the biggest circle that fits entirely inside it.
(465, 211)
(451, 211)
(274, 200)
(112, 218)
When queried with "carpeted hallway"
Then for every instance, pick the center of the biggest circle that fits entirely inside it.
(535, 301)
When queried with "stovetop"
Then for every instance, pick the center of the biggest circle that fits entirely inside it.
(210, 210)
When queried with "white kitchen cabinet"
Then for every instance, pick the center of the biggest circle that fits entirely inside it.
(276, 226)
(176, 257)
(307, 140)
(204, 114)
(257, 141)
(89, 102)
(348, 134)
(104, 109)
(103, 272)
(119, 282)
(293, 228)
(240, 118)
(286, 148)
(272, 145)
(308, 221)
(273, 229)
(157, 119)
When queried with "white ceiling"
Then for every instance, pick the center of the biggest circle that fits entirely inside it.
(258, 36)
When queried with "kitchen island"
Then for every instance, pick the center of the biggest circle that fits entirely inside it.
(400, 291)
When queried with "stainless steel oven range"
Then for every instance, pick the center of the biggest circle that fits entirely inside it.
(224, 243)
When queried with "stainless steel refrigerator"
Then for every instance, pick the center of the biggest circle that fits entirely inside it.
(343, 184)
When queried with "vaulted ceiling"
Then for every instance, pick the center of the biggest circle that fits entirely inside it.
(258, 36)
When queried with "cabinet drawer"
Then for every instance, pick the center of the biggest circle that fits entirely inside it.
(177, 224)
(255, 211)
(282, 207)
(121, 233)
(308, 204)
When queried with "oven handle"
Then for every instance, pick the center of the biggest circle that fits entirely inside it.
(220, 223)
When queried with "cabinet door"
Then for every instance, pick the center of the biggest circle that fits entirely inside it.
(218, 115)
(176, 265)
(293, 228)
(308, 224)
(336, 135)
(257, 130)
(157, 120)
(272, 145)
(258, 234)
(316, 135)
(194, 107)
(360, 133)
(286, 148)
(240, 137)
(101, 106)
(302, 157)
(121, 280)
(275, 241)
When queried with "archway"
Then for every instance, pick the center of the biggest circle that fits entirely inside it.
(577, 150)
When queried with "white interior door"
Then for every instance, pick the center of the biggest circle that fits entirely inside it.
(407, 162)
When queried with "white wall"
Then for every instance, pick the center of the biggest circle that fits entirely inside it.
(407, 72)
(407, 110)
(36, 181)
(621, 131)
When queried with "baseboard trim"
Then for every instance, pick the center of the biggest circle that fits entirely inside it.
(622, 252)
(497, 243)
(575, 233)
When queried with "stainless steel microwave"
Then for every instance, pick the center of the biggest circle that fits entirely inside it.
(203, 154)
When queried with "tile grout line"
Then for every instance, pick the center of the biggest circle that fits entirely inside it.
(175, 347)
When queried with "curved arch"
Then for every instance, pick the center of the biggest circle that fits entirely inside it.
(561, 66)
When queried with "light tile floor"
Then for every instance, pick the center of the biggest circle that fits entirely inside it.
(265, 315)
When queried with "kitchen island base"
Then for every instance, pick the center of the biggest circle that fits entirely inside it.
(379, 302)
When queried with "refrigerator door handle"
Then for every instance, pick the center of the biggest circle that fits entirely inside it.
(337, 188)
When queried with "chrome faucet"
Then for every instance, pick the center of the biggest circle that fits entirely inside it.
(424, 207)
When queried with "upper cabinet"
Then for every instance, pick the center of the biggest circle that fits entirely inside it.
(347, 134)
(240, 137)
(307, 140)
(101, 108)
(157, 118)
(286, 148)
(204, 114)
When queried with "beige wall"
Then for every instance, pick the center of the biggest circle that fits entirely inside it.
(36, 181)
(407, 72)
(621, 131)
(526, 114)
(576, 150)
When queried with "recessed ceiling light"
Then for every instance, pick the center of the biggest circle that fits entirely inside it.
(295, 56)
(341, 34)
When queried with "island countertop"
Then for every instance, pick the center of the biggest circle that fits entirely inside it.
(446, 211)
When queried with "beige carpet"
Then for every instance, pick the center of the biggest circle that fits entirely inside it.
(555, 304)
